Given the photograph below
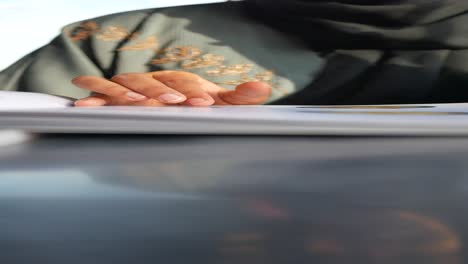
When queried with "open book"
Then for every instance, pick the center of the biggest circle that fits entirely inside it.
(50, 114)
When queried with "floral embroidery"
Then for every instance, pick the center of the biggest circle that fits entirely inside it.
(230, 70)
(150, 42)
(84, 31)
(176, 54)
(266, 76)
(207, 60)
(116, 33)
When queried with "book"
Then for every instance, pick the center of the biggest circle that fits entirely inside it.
(41, 113)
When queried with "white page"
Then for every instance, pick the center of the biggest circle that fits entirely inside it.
(252, 120)
(23, 100)
(44, 113)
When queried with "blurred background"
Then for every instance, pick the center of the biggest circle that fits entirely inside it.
(25, 25)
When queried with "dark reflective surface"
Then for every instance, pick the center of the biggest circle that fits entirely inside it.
(97, 199)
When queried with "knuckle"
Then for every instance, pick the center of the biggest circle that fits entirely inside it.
(176, 75)
(122, 77)
(119, 77)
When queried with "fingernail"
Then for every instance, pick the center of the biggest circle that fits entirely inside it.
(197, 101)
(135, 96)
(171, 98)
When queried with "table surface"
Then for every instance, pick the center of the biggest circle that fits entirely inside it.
(225, 199)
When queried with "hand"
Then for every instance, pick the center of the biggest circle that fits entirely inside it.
(165, 88)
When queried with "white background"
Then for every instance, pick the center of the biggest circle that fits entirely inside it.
(28, 24)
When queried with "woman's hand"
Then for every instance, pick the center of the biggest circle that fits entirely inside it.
(165, 88)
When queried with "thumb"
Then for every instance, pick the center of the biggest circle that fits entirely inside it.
(249, 93)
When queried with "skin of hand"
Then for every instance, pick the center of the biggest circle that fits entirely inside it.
(166, 88)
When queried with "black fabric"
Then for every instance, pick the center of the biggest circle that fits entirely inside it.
(378, 51)
(359, 24)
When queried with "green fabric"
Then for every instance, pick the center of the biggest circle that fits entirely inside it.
(221, 34)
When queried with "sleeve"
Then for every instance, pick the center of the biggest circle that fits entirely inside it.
(50, 68)
(82, 48)
(218, 41)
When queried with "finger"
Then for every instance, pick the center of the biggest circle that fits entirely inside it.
(146, 85)
(250, 93)
(189, 84)
(102, 86)
(104, 100)
(92, 101)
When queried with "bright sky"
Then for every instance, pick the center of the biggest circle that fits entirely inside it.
(28, 24)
